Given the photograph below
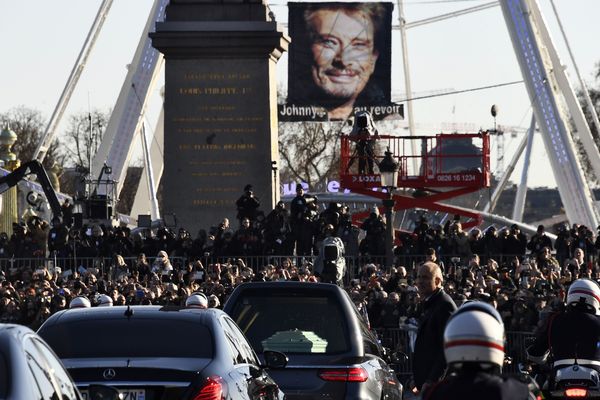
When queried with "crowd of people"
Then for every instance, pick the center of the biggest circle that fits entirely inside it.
(523, 277)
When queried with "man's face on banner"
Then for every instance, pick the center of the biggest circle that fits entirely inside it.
(343, 52)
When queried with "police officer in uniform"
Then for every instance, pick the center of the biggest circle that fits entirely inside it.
(573, 333)
(474, 351)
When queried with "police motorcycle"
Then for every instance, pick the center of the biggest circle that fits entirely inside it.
(575, 381)
(572, 381)
(568, 378)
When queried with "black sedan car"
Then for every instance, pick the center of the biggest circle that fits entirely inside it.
(332, 353)
(160, 353)
(29, 370)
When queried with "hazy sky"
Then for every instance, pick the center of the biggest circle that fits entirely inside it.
(41, 39)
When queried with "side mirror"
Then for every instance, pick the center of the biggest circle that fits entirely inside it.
(275, 359)
(103, 392)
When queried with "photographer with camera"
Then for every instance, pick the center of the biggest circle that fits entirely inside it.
(247, 205)
(374, 226)
(331, 215)
(184, 244)
(457, 241)
(120, 241)
(58, 237)
(164, 240)
(277, 231)
(539, 241)
(583, 238)
(363, 133)
(476, 241)
(349, 234)
(563, 242)
(492, 245)
(515, 243)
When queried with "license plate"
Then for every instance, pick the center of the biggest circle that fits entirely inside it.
(128, 394)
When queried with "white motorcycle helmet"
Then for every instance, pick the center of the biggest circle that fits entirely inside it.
(475, 334)
(197, 300)
(80, 302)
(104, 301)
(585, 291)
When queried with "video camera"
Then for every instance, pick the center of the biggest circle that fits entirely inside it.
(310, 198)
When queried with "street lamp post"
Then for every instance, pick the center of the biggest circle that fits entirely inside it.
(388, 169)
(77, 224)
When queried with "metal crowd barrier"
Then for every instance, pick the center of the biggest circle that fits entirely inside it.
(353, 263)
(398, 339)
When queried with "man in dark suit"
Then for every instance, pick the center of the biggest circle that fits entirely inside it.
(429, 362)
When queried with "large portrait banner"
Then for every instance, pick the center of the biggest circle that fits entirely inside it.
(339, 62)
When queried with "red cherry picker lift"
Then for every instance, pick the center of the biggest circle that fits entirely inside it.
(438, 170)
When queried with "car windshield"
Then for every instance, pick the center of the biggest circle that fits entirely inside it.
(302, 324)
(123, 338)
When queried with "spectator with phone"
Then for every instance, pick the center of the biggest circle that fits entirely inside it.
(576, 264)
(142, 266)
(162, 266)
(548, 265)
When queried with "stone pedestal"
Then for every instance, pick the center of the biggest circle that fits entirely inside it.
(8, 211)
(220, 108)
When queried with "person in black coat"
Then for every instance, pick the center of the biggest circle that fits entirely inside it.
(436, 308)
(516, 242)
(58, 237)
(302, 216)
(247, 205)
(538, 241)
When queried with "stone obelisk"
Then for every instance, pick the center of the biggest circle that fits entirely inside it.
(220, 107)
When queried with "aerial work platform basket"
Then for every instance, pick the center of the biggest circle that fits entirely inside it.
(438, 167)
